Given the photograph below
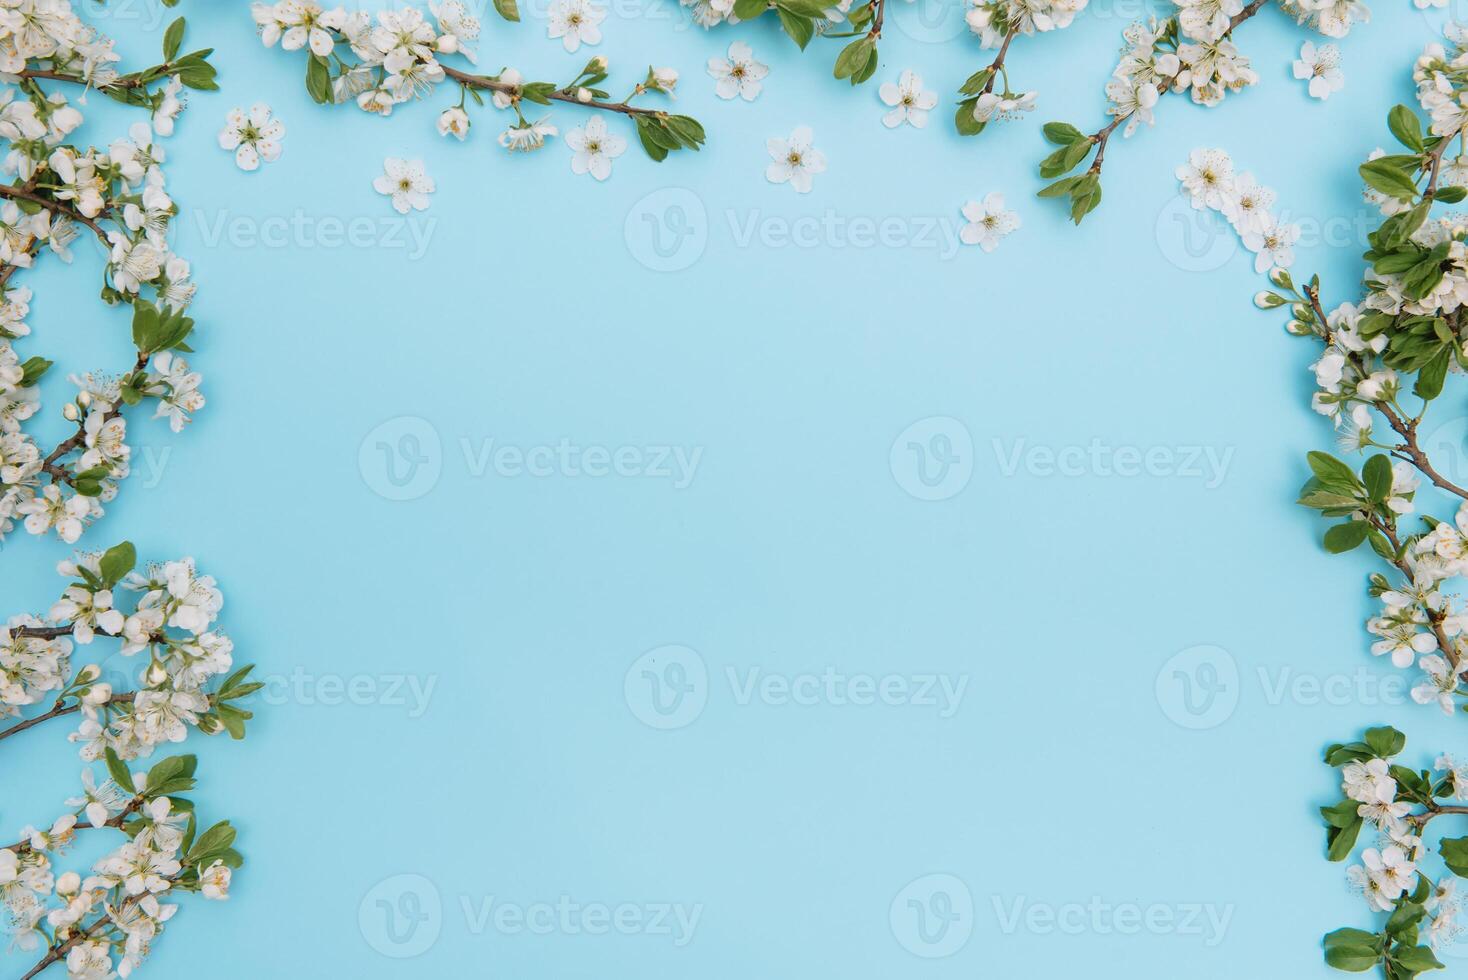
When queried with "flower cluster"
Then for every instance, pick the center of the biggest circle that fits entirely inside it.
(1384, 357)
(108, 920)
(1191, 52)
(1394, 876)
(1209, 182)
(118, 195)
(400, 56)
(998, 23)
(104, 924)
(171, 621)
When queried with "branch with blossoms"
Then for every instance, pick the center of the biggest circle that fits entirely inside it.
(998, 23)
(1421, 912)
(400, 57)
(168, 626)
(111, 918)
(61, 191)
(1190, 52)
(1384, 359)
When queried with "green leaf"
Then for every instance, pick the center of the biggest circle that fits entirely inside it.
(1346, 537)
(119, 771)
(1455, 854)
(1432, 377)
(211, 843)
(1405, 916)
(1389, 178)
(854, 57)
(507, 9)
(318, 80)
(1065, 159)
(1058, 189)
(1062, 134)
(1352, 959)
(1406, 127)
(1377, 474)
(117, 562)
(801, 29)
(964, 121)
(1332, 473)
(650, 145)
(750, 9)
(173, 39)
(33, 370)
(1385, 741)
(1450, 195)
(1415, 958)
(976, 82)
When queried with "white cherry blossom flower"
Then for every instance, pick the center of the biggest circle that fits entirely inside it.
(910, 102)
(594, 148)
(1322, 67)
(575, 22)
(253, 137)
(988, 222)
(739, 74)
(407, 183)
(795, 160)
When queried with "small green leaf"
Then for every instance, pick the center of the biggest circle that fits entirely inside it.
(1346, 537)
(1406, 127)
(173, 39)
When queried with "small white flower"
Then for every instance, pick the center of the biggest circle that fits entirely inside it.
(1274, 247)
(795, 160)
(1208, 178)
(454, 122)
(740, 74)
(407, 182)
(531, 136)
(987, 222)
(594, 148)
(575, 22)
(1322, 67)
(253, 137)
(997, 108)
(910, 102)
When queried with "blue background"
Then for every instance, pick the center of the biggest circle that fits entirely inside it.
(532, 316)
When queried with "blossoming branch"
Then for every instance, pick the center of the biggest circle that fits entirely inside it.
(61, 191)
(400, 57)
(1190, 52)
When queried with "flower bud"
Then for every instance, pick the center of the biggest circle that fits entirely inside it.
(1282, 279)
(71, 413)
(88, 674)
(583, 95)
(156, 674)
(69, 883)
(97, 695)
